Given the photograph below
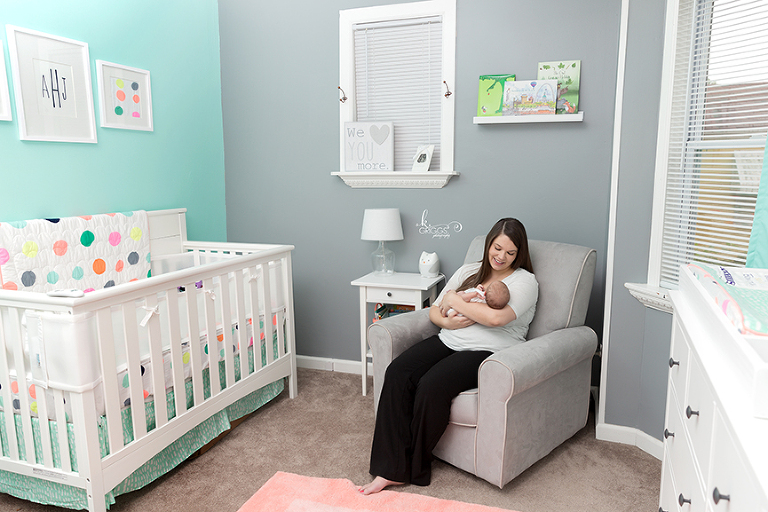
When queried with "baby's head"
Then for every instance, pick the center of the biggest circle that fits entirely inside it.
(497, 295)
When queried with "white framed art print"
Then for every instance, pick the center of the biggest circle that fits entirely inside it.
(125, 97)
(5, 95)
(52, 84)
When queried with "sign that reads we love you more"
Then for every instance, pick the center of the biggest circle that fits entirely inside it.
(369, 146)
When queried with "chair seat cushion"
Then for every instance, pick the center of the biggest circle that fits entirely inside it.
(464, 409)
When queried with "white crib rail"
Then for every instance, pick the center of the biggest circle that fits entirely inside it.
(247, 279)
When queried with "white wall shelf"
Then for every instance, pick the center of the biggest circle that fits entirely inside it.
(551, 118)
(400, 179)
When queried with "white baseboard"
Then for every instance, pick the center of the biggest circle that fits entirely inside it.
(333, 365)
(630, 436)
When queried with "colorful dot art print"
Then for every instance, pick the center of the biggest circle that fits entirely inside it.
(124, 97)
(86, 253)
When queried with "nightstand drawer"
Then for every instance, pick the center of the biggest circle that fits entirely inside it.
(391, 296)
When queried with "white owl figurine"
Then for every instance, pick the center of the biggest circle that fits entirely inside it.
(429, 264)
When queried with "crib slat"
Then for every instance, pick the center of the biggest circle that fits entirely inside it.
(177, 363)
(106, 336)
(195, 348)
(21, 382)
(242, 326)
(268, 328)
(62, 430)
(45, 432)
(87, 446)
(210, 328)
(136, 387)
(226, 329)
(253, 287)
(156, 358)
(290, 326)
(5, 382)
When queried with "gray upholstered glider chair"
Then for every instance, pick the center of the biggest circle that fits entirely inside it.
(530, 397)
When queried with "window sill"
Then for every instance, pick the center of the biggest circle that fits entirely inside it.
(651, 296)
(402, 179)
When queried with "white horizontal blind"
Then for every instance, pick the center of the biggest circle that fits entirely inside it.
(398, 69)
(719, 120)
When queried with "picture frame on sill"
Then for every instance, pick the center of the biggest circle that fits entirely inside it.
(5, 95)
(423, 158)
(125, 97)
(52, 86)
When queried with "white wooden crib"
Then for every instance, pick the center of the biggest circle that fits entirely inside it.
(88, 345)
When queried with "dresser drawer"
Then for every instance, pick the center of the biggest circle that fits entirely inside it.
(698, 415)
(736, 490)
(391, 296)
(679, 361)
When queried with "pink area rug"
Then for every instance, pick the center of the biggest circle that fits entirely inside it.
(286, 492)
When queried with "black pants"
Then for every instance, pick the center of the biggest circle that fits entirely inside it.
(414, 407)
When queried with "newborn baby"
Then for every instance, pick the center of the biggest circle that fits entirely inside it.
(496, 295)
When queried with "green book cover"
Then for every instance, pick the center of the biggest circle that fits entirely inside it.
(490, 94)
(567, 73)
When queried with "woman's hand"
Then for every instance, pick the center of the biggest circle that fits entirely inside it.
(448, 322)
(450, 298)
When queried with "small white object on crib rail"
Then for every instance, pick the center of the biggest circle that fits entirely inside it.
(66, 293)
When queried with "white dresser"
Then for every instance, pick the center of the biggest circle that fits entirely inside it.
(715, 446)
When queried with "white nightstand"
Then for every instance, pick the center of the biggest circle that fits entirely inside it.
(399, 288)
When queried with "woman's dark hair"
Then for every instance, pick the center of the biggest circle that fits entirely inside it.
(515, 231)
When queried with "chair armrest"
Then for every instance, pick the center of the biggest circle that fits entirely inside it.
(390, 337)
(511, 371)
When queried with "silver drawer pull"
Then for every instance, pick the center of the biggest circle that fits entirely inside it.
(716, 496)
(690, 412)
(668, 434)
(682, 501)
(672, 362)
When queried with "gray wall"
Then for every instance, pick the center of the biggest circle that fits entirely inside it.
(280, 106)
(636, 379)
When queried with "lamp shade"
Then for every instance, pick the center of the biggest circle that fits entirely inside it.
(382, 224)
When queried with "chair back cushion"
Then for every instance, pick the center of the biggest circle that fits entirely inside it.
(565, 273)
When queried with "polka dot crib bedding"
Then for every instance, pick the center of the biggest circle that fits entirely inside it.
(85, 253)
(138, 334)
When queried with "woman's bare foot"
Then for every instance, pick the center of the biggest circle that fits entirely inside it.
(377, 485)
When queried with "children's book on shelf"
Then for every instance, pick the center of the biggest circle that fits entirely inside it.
(567, 74)
(490, 94)
(529, 97)
(387, 310)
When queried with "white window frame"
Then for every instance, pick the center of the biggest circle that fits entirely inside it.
(653, 294)
(350, 17)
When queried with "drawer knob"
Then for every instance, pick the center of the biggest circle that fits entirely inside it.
(682, 501)
(389, 294)
(690, 412)
(672, 362)
(716, 496)
(668, 434)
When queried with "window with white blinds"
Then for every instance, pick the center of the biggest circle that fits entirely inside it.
(398, 78)
(714, 120)
(397, 62)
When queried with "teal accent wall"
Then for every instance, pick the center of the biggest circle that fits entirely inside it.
(179, 164)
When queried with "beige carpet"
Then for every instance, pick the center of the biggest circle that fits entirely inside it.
(326, 432)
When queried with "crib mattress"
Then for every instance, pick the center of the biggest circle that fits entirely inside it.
(52, 493)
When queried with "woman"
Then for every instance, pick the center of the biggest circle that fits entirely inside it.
(420, 383)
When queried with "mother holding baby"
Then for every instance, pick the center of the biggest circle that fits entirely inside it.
(420, 384)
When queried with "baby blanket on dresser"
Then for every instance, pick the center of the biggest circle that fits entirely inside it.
(86, 253)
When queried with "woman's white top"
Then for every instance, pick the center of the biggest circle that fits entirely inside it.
(523, 294)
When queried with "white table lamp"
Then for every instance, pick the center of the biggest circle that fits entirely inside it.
(382, 225)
